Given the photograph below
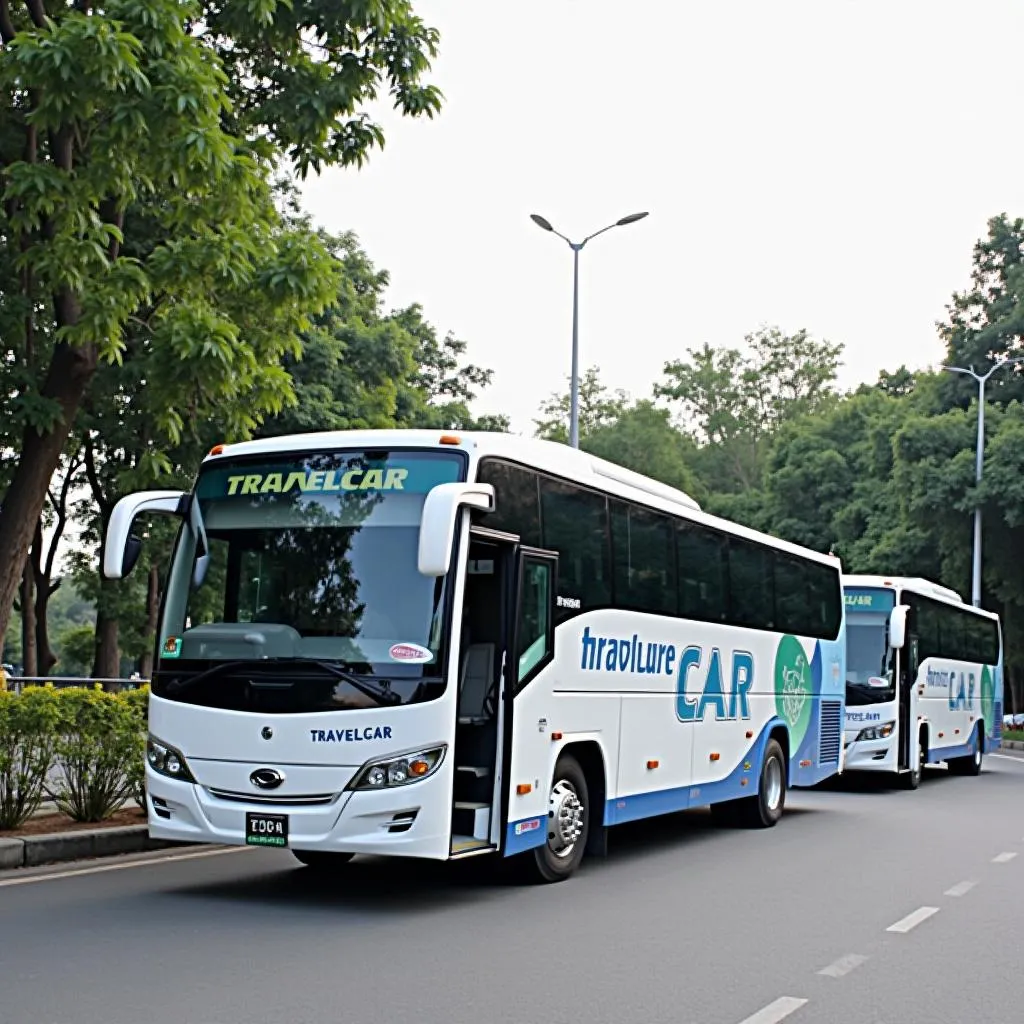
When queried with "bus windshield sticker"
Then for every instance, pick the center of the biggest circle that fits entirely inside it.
(410, 652)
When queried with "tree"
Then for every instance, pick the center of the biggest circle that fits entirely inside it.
(598, 407)
(734, 402)
(985, 323)
(175, 111)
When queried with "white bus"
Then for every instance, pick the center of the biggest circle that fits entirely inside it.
(924, 678)
(437, 646)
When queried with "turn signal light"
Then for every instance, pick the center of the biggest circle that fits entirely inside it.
(523, 788)
(651, 765)
(555, 736)
(419, 767)
(715, 756)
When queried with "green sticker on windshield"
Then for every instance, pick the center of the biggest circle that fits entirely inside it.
(171, 647)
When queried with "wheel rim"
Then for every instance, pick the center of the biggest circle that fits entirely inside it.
(919, 767)
(773, 783)
(565, 819)
(977, 756)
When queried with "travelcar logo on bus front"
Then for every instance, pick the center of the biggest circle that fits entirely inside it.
(368, 732)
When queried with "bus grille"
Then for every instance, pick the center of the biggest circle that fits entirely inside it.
(831, 731)
(313, 799)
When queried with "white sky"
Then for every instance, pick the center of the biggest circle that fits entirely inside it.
(825, 164)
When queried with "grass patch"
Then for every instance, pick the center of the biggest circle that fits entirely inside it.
(1014, 734)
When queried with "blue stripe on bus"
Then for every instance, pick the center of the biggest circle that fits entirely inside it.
(960, 750)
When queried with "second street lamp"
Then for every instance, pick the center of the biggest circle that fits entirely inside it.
(979, 459)
(574, 387)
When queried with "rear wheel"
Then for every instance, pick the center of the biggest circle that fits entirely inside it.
(970, 765)
(321, 860)
(765, 809)
(568, 823)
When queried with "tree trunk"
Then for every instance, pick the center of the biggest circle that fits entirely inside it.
(152, 615)
(29, 662)
(107, 662)
(70, 373)
(44, 591)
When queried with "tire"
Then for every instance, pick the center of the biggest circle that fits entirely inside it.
(765, 809)
(568, 823)
(321, 860)
(970, 765)
(912, 778)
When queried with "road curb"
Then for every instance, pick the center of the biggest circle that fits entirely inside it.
(81, 844)
(1012, 745)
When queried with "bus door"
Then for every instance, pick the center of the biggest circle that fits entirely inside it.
(484, 640)
(906, 676)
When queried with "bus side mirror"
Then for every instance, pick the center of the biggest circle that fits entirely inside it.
(121, 548)
(898, 627)
(437, 522)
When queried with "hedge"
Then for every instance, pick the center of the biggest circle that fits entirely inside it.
(84, 749)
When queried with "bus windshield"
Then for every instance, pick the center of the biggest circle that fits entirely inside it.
(869, 676)
(312, 563)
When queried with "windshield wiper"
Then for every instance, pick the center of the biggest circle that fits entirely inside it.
(381, 693)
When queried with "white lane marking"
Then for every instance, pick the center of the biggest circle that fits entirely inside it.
(961, 888)
(905, 924)
(774, 1012)
(1006, 757)
(843, 965)
(1003, 858)
(170, 859)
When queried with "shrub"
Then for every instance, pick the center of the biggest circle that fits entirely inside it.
(98, 742)
(28, 739)
(138, 702)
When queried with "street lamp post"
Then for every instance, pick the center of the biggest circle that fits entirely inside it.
(979, 458)
(574, 390)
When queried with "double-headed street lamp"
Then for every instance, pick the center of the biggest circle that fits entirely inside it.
(574, 400)
(978, 462)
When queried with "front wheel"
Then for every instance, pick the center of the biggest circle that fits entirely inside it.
(912, 779)
(765, 809)
(321, 860)
(568, 823)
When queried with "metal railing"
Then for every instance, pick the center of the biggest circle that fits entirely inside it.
(15, 684)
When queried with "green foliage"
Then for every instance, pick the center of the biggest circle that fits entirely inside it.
(77, 645)
(28, 739)
(598, 407)
(138, 702)
(99, 741)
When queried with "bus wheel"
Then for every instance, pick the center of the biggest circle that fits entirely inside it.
(912, 779)
(765, 809)
(567, 825)
(321, 860)
(970, 765)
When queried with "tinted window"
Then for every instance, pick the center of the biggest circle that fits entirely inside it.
(575, 524)
(703, 583)
(751, 586)
(645, 560)
(534, 632)
(944, 631)
(792, 594)
(517, 504)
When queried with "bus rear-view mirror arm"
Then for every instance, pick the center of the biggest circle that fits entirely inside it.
(121, 548)
(898, 627)
(438, 520)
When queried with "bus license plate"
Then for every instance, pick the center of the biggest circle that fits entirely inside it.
(266, 829)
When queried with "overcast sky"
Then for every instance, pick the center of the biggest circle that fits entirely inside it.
(825, 164)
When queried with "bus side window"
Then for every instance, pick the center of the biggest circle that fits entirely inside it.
(534, 632)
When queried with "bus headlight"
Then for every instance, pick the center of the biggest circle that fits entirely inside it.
(167, 761)
(391, 772)
(876, 732)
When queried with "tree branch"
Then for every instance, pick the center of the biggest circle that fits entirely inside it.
(93, 475)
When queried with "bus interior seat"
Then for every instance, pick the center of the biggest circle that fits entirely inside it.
(476, 678)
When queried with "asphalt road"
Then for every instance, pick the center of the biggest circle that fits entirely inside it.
(866, 905)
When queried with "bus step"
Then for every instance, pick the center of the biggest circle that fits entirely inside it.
(467, 846)
(471, 819)
(479, 772)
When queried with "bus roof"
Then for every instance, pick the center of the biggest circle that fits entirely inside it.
(547, 456)
(916, 585)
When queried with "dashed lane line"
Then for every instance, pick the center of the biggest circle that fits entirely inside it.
(843, 966)
(774, 1012)
(1003, 858)
(911, 921)
(961, 888)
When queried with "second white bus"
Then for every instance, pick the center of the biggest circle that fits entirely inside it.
(924, 678)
